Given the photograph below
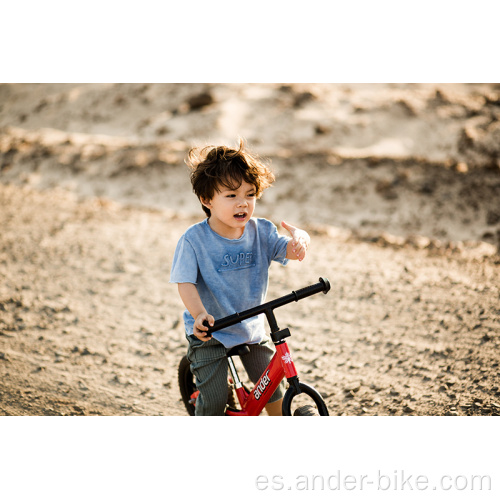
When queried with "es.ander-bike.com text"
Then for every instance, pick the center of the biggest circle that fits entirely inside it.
(397, 480)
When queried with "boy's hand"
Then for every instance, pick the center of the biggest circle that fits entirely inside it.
(199, 328)
(299, 243)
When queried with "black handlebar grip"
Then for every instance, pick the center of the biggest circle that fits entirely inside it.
(326, 285)
(322, 286)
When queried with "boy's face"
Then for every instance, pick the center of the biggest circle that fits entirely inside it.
(231, 209)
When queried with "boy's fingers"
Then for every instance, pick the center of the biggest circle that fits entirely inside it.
(288, 227)
(302, 252)
(301, 243)
(207, 322)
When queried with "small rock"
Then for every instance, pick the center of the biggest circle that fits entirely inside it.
(302, 98)
(200, 101)
(493, 217)
(355, 387)
(321, 129)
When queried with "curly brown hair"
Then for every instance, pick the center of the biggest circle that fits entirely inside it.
(217, 167)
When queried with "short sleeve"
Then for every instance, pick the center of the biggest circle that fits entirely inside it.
(184, 264)
(277, 245)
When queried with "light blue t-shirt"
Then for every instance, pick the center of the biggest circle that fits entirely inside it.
(230, 275)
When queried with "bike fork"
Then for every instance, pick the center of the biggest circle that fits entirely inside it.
(234, 374)
(241, 392)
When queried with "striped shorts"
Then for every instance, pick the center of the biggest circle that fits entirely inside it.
(209, 366)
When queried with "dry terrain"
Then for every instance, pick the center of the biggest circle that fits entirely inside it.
(398, 185)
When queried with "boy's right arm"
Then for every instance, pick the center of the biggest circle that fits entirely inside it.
(191, 298)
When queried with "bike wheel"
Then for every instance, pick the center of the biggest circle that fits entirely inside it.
(306, 411)
(308, 393)
(187, 384)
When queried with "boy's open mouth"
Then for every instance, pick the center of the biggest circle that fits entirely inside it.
(240, 216)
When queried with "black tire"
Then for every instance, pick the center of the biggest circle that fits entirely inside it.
(186, 384)
(306, 411)
(322, 410)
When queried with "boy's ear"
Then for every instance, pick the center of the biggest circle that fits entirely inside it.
(206, 203)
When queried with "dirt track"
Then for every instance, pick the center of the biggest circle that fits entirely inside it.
(89, 324)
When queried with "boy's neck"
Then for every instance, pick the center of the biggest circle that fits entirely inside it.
(225, 231)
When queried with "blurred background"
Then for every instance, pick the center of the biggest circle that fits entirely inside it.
(393, 159)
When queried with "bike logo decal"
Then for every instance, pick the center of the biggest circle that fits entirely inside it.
(287, 358)
(261, 387)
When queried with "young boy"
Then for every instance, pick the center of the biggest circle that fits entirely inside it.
(221, 267)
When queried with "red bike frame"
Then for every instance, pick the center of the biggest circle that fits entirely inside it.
(280, 366)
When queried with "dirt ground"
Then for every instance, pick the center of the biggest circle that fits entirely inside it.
(398, 186)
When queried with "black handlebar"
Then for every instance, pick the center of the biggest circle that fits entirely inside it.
(322, 286)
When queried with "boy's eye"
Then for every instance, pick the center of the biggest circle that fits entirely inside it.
(250, 195)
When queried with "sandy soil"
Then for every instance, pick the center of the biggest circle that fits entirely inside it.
(398, 186)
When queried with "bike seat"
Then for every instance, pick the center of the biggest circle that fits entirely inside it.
(238, 350)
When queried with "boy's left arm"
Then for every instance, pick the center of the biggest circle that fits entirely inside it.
(298, 245)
